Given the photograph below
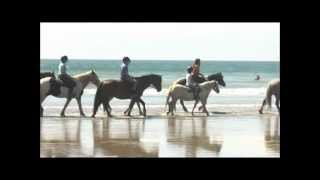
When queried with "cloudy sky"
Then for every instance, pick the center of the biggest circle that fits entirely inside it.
(161, 41)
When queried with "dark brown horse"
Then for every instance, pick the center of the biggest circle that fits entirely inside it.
(199, 79)
(46, 74)
(109, 89)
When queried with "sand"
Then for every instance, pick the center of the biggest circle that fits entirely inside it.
(227, 132)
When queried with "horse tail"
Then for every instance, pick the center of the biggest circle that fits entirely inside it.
(269, 96)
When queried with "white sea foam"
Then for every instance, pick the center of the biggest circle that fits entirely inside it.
(223, 92)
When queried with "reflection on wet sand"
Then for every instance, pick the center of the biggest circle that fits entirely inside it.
(192, 135)
(272, 134)
(220, 136)
(91, 138)
(122, 138)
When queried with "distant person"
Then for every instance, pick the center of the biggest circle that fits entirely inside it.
(257, 78)
(192, 84)
(65, 77)
(125, 73)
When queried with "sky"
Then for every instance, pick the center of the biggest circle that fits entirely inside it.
(161, 41)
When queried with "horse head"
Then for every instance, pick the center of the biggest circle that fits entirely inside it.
(156, 81)
(94, 78)
(215, 87)
(217, 77)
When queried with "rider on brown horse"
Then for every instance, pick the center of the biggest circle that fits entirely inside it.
(125, 74)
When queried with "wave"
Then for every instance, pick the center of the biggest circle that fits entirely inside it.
(223, 92)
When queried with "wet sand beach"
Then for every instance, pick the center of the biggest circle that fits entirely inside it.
(232, 132)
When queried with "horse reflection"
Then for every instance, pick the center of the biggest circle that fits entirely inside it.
(95, 138)
(272, 134)
(121, 138)
(193, 135)
(60, 138)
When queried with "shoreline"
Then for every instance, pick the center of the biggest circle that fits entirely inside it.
(159, 112)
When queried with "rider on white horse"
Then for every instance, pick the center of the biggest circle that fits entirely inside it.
(192, 84)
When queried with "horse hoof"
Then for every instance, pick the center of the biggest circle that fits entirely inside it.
(62, 115)
(83, 115)
(260, 112)
(92, 116)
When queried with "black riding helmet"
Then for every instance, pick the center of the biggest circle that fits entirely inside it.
(197, 61)
(126, 59)
(64, 59)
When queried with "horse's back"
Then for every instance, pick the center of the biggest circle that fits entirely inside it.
(45, 80)
(274, 86)
(275, 83)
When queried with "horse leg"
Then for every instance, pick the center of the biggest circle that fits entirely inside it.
(201, 108)
(170, 107)
(277, 103)
(96, 105)
(205, 107)
(104, 107)
(80, 106)
(172, 104)
(41, 111)
(194, 106)
(183, 106)
(131, 106)
(108, 108)
(263, 104)
(64, 107)
(140, 112)
(144, 107)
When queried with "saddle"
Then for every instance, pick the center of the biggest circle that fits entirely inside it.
(61, 83)
(54, 88)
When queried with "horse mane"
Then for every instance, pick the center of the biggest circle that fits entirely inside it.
(148, 75)
(207, 82)
(45, 79)
(82, 74)
(216, 74)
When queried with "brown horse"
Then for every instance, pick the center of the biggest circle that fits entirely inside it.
(109, 89)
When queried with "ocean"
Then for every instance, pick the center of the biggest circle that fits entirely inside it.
(241, 88)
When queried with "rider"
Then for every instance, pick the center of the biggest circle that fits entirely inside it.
(192, 84)
(125, 73)
(196, 68)
(66, 78)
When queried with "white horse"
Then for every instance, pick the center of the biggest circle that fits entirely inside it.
(272, 89)
(82, 80)
(183, 92)
(46, 86)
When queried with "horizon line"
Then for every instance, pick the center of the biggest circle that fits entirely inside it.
(258, 60)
